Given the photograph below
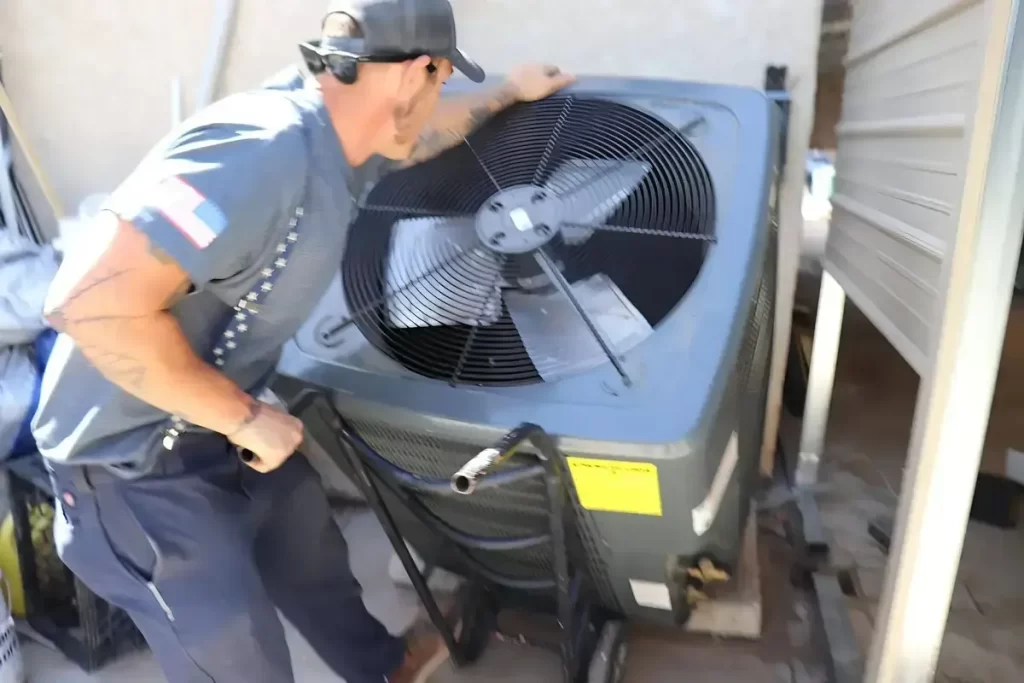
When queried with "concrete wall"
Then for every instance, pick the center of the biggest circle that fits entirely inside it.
(91, 79)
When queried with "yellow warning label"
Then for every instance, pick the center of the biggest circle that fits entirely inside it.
(617, 486)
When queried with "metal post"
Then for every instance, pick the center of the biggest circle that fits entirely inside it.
(828, 325)
(223, 28)
(956, 390)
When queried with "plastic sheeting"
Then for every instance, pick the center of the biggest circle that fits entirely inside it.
(26, 270)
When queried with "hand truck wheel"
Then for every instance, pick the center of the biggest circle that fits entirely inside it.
(478, 622)
(608, 664)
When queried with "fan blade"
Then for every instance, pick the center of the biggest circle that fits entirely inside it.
(436, 234)
(593, 191)
(557, 339)
(460, 292)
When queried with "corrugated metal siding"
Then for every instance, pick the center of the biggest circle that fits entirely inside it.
(911, 89)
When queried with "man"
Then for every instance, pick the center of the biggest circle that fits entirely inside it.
(204, 262)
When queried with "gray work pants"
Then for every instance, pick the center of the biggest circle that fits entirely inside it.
(203, 551)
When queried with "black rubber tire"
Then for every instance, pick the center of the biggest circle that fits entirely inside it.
(608, 665)
(479, 620)
(794, 387)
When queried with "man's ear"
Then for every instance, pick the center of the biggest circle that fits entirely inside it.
(414, 76)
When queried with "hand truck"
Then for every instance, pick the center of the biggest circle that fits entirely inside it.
(591, 642)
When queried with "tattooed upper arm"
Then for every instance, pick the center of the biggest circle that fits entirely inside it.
(119, 275)
(457, 119)
(431, 143)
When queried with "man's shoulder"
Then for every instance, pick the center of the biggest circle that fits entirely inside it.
(260, 118)
(274, 110)
(258, 132)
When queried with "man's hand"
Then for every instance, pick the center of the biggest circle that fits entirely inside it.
(270, 434)
(532, 82)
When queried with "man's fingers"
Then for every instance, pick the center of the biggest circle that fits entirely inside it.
(258, 465)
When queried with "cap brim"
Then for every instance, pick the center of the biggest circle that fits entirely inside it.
(467, 66)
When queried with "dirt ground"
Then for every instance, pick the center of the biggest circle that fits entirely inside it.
(868, 435)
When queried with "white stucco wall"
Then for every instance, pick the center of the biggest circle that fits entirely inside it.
(91, 79)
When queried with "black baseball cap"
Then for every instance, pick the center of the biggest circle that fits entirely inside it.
(403, 27)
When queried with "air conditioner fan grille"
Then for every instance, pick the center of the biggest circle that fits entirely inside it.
(439, 262)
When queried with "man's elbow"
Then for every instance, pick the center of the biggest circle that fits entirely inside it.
(53, 311)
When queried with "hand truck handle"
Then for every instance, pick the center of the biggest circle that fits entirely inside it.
(466, 479)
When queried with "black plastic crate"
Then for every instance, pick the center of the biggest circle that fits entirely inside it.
(87, 629)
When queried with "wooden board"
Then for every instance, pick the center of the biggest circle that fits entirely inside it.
(735, 611)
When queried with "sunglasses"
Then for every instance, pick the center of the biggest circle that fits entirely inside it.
(320, 59)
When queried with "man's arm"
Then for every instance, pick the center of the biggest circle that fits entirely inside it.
(203, 210)
(456, 118)
(112, 298)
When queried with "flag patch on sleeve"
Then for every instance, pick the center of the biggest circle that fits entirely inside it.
(188, 210)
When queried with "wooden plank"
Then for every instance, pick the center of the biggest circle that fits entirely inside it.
(736, 608)
(733, 612)
(840, 632)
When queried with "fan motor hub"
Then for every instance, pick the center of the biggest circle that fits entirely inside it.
(519, 220)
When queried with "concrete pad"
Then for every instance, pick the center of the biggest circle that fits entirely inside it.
(785, 653)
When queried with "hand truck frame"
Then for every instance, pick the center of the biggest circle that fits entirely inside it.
(591, 642)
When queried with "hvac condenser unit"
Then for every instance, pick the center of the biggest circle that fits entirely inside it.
(600, 264)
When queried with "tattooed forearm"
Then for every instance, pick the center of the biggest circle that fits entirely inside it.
(456, 119)
(112, 300)
(119, 367)
(150, 358)
(255, 408)
(106, 342)
(432, 142)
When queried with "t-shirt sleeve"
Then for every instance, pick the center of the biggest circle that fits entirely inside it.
(211, 199)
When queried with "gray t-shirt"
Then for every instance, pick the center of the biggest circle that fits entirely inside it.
(217, 195)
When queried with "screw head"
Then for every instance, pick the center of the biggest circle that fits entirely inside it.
(497, 238)
(538, 197)
(496, 207)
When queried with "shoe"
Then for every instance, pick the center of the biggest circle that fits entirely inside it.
(425, 652)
